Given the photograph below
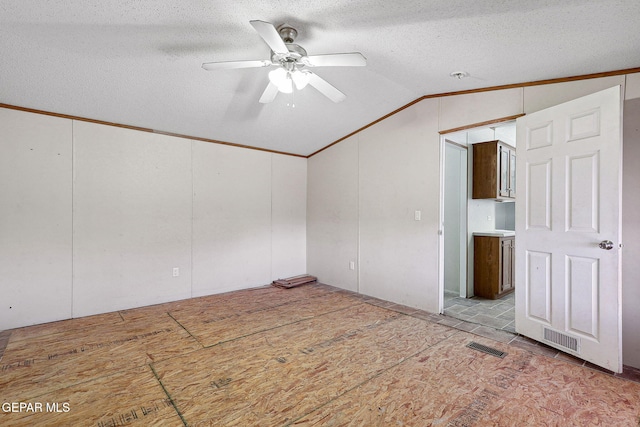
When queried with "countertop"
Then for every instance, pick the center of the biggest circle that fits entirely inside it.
(495, 233)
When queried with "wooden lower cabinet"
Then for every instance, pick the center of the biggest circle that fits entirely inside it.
(493, 266)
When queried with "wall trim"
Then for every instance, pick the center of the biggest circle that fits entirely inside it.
(481, 124)
(486, 89)
(141, 129)
(386, 116)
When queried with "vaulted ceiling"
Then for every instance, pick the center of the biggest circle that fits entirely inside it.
(138, 62)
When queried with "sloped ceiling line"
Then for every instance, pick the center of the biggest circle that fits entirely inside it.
(439, 95)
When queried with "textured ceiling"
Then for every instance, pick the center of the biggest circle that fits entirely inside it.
(138, 62)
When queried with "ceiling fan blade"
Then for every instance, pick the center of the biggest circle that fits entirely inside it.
(270, 35)
(231, 65)
(354, 59)
(326, 88)
(269, 93)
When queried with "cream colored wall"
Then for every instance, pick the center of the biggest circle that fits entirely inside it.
(94, 218)
(332, 215)
(362, 198)
(398, 160)
(35, 218)
(464, 110)
(540, 97)
(231, 218)
(632, 88)
(288, 216)
(631, 224)
(131, 218)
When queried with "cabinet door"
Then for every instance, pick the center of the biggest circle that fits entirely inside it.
(512, 173)
(506, 256)
(513, 263)
(505, 159)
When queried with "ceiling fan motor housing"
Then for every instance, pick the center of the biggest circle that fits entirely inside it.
(291, 59)
(287, 33)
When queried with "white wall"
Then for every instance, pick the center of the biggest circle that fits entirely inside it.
(362, 196)
(131, 218)
(231, 218)
(399, 161)
(472, 108)
(288, 216)
(35, 218)
(505, 216)
(631, 224)
(94, 218)
(540, 97)
(332, 215)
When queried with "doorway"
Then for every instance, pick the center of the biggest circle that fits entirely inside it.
(462, 216)
(568, 226)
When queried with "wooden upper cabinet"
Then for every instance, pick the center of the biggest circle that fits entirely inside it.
(494, 170)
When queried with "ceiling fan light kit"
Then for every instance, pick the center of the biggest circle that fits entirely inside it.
(291, 60)
(282, 79)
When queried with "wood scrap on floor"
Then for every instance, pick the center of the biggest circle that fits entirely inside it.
(294, 281)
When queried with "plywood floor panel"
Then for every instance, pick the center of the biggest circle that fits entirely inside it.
(449, 384)
(133, 397)
(551, 390)
(235, 321)
(32, 367)
(66, 326)
(308, 356)
(290, 371)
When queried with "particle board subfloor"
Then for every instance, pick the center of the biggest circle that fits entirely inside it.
(306, 356)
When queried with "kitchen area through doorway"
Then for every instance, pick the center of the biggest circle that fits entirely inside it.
(479, 225)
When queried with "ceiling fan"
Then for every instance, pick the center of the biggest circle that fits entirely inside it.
(292, 63)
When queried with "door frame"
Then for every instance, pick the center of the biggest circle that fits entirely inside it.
(463, 195)
(443, 141)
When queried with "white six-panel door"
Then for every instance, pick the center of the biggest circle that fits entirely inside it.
(568, 205)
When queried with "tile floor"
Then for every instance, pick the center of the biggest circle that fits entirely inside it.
(498, 314)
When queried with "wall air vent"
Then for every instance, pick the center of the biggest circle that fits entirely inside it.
(563, 340)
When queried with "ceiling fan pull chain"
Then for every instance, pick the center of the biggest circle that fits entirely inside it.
(293, 99)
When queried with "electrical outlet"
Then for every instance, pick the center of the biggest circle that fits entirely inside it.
(489, 218)
(418, 215)
(176, 271)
